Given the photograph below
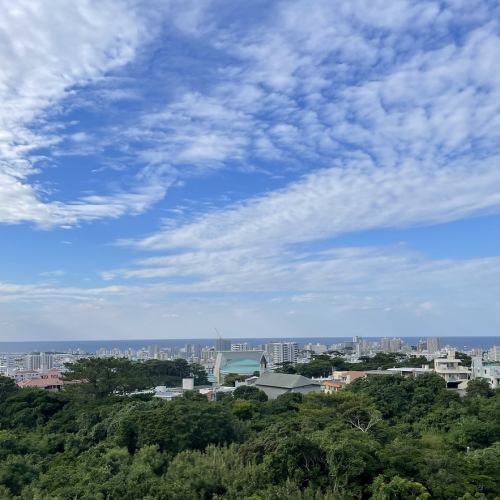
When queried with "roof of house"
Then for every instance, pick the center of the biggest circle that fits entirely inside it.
(332, 383)
(238, 355)
(352, 373)
(284, 380)
(52, 378)
(241, 362)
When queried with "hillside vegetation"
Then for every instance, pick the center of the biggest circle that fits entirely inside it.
(385, 437)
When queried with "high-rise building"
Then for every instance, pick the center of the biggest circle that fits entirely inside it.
(391, 345)
(46, 361)
(395, 345)
(32, 362)
(283, 352)
(433, 344)
(222, 344)
(422, 345)
(385, 344)
(154, 352)
(494, 353)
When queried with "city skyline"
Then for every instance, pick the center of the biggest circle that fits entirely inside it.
(269, 169)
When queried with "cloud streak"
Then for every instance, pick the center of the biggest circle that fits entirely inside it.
(50, 48)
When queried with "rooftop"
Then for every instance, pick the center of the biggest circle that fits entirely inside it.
(284, 380)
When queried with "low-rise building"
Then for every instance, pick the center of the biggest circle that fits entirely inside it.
(489, 370)
(276, 384)
(22, 375)
(167, 393)
(450, 369)
(50, 381)
(347, 376)
(331, 386)
(411, 371)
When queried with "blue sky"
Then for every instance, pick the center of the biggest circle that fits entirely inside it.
(267, 168)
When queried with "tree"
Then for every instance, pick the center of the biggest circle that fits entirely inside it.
(231, 378)
(30, 408)
(398, 488)
(466, 359)
(98, 378)
(249, 392)
(320, 365)
(198, 373)
(184, 424)
(482, 469)
(479, 387)
(7, 387)
(286, 367)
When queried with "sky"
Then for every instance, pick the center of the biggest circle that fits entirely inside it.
(266, 168)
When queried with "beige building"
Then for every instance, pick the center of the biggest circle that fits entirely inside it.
(329, 386)
(347, 376)
(455, 375)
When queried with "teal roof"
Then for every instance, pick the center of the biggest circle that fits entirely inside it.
(241, 366)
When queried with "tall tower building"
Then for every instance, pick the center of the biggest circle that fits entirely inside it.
(385, 345)
(222, 344)
(494, 353)
(433, 344)
(283, 352)
(46, 361)
(32, 362)
(395, 345)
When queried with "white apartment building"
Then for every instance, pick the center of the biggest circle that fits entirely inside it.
(39, 361)
(242, 346)
(494, 353)
(283, 352)
(316, 348)
(451, 370)
(489, 370)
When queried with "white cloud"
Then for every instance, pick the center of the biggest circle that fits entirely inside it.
(47, 49)
(381, 114)
(411, 139)
(334, 201)
(363, 291)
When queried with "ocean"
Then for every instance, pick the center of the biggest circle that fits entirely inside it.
(91, 346)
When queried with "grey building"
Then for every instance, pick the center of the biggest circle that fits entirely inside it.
(276, 384)
(283, 352)
(433, 344)
(222, 344)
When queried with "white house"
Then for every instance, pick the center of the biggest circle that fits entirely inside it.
(450, 369)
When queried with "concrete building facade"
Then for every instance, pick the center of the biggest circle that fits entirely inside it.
(488, 370)
(451, 369)
(283, 352)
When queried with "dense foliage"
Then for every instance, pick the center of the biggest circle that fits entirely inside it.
(385, 437)
(105, 377)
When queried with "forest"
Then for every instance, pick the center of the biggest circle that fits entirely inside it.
(384, 438)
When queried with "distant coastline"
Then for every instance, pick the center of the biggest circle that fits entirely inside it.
(460, 342)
